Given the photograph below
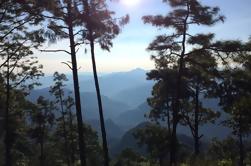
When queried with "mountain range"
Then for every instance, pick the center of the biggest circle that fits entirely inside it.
(124, 97)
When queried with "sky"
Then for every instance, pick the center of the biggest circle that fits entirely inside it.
(129, 48)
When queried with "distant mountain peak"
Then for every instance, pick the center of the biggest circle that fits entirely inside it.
(138, 70)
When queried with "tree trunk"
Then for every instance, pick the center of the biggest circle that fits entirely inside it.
(72, 140)
(101, 116)
(168, 120)
(161, 162)
(64, 129)
(76, 88)
(196, 123)
(42, 146)
(41, 154)
(173, 148)
(241, 150)
(173, 152)
(7, 130)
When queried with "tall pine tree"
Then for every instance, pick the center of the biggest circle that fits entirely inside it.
(174, 47)
(101, 28)
(64, 23)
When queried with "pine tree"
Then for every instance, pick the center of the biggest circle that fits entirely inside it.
(235, 98)
(70, 118)
(156, 138)
(226, 149)
(64, 22)
(58, 91)
(233, 88)
(42, 117)
(174, 47)
(17, 64)
(100, 28)
(201, 76)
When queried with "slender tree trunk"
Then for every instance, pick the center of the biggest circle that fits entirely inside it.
(101, 116)
(173, 147)
(7, 129)
(161, 163)
(241, 148)
(196, 124)
(168, 121)
(76, 87)
(64, 129)
(41, 154)
(72, 140)
(169, 126)
(42, 147)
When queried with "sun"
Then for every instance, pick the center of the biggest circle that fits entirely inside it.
(131, 2)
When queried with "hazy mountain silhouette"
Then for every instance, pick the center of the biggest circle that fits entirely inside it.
(112, 84)
(132, 117)
(136, 95)
(128, 141)
(124, 99)
(112, 108)
(113, 130)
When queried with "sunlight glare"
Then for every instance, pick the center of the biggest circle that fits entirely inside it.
(131, 2)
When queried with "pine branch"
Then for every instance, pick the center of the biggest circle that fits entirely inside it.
(3, 15)
(13, 29)
(22, 80)
(12, 54)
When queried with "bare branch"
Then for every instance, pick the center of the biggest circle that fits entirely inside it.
(175, 54)
(79, 43)
(67, 64)
(78, 32)
(56, 51)
(53, 17)
(77, 50)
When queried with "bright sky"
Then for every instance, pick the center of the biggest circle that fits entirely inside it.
(129, 49)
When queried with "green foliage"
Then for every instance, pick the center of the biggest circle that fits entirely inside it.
(100, 23)
(129, 158)
(224, 150)
(17, 126)
(156, 139)
(162, 94)
(93, 147)
(42, 119)
(18, 35)
(235, 94)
